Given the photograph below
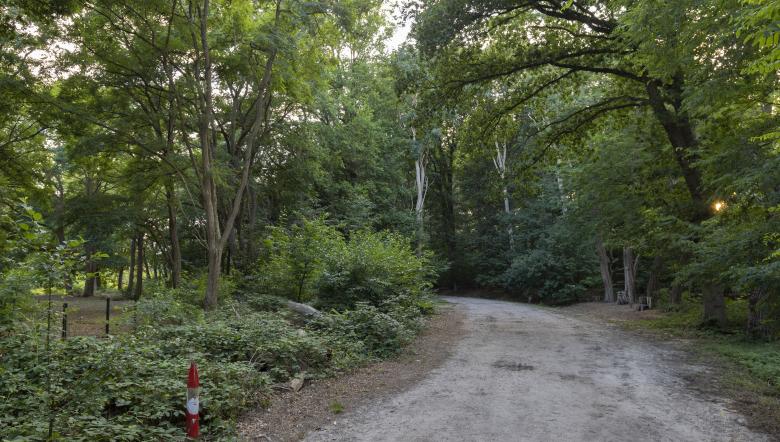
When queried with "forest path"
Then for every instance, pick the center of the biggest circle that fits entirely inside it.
(527, 373)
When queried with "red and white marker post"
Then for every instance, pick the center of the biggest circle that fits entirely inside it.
(193, 404)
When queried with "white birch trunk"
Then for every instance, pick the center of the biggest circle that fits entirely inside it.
(499, 161)
(561, 190)
(421, 182)
(630, 265)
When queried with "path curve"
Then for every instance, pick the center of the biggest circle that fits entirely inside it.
(524, 373)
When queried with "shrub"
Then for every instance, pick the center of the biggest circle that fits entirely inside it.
(120, 389)
(381, 334)
(15, 296)
(372, 268)
(264, 303)
(159, 311)
(294, 259)
(266, 341)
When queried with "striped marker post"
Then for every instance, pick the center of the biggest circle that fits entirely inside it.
(193, 404)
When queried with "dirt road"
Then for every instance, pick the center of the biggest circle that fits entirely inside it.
(528, 373)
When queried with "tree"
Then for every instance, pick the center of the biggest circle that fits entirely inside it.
(611, 44)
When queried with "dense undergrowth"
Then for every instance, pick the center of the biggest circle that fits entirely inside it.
(132, 386)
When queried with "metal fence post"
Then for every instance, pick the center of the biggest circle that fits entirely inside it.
(108, 314)
(64, 320)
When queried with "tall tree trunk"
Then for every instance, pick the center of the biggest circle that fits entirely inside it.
(421, 181)
(499, 161)
(131, 274)
(421, 184)
(216, 235)
(756, 328)
(606, 271)
(667, 105)
(714, 305)
(629, 273)
(447, 232)
(652, 281)
(173, 232)
(90, 268)
(139, 262)
(675, 295)
(120, 278)
(146, 267)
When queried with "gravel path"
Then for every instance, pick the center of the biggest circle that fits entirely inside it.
(528, 373)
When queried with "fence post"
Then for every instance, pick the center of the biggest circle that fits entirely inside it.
(64, 320)
(193, 403)
(108, 313)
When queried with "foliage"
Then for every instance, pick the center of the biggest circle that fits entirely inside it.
(296, 259)
(380, 333)
(551, 261)
(372, 268)
(122, 389)
(132, 387)
(266, 341)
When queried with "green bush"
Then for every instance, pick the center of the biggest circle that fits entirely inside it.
(120, 389)
(373, 268)
(381, 334)
(264, 303)
(16, 300)
(132, 387)
(268, 342)
(295, 257)
(156, 311)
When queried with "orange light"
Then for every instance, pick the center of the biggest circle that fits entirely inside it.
(719, 205)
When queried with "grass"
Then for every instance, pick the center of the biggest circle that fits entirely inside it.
(759, 358)
(336, 407)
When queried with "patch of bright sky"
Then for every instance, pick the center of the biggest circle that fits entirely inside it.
(401, 28)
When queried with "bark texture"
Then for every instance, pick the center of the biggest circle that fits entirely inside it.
(756, 328)
(714, 306)
(630, 264)
(606, 271)
(139, 268)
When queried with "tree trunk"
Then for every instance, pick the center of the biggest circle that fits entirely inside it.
(652, 281)
(499, 161)
(119, 279)
(606, 271)
(212, 280)
(173, 232)
(131, 274)
(60, 233)
(755, 321)
(667, 108)
(89, 268)
(216, 235)
(629, 273)
(146, 267)
(675, 295)
(139, 263)
(421, 183)
(714, 306)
